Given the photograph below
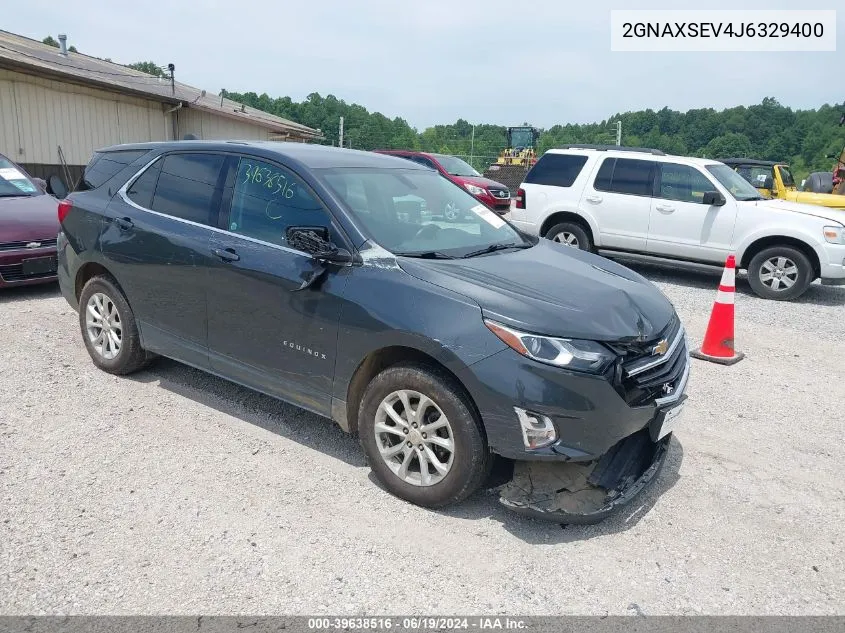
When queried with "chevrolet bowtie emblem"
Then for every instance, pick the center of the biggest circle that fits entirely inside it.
(33, 245)
(660, 348)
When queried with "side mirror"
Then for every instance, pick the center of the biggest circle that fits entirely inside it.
(314, 240)
(714, 198)
(56, 187)
(768, 183)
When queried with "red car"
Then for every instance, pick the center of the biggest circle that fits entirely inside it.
(493, 194)
(29, 225)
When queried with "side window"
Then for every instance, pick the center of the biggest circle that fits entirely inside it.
(142, 190)
(189, 187)
(683, 183)
(559, 170)
(629, 176)
(268, 199)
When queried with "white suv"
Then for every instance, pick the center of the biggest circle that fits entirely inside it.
(641, 202)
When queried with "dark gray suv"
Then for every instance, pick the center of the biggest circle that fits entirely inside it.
(316, 275)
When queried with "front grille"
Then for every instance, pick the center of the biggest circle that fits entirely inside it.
(502, 194)
(13, 246)
(647, 376)
(14, 272)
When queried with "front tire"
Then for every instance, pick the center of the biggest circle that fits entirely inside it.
(109, 329)
(422, 437)
(570, 234)
(781, 273)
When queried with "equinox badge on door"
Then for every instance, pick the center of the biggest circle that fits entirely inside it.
(304, 350)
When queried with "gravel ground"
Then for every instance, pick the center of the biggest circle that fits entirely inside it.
(174, 492)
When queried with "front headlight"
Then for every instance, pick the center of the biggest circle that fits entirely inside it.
(834, 234)
(574, 354)
(474, 189)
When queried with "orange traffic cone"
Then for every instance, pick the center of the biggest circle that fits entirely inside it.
(718, 346)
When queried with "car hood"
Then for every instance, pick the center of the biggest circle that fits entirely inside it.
(480, 181)
(28, 218)
(822, 199)
(827, 213)
(554, 290)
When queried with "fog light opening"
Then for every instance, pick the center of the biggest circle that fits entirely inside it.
(537, 430)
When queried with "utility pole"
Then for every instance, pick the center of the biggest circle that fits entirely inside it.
(172, 68)
(619, 132)
(340, 133)
(472, 146)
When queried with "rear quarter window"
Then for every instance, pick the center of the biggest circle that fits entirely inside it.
(106, 165)
(557, 170)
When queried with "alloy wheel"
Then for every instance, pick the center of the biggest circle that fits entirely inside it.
(414, 438)
(102, 324)
(779, 273)
(567, 239)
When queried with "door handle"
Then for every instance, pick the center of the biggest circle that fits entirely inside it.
(595, 199)
(664, 208)
(227, 255)
(124, 224)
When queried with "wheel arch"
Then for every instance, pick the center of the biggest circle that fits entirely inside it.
(86, 272)
(780, 240)
(380, 359)
(568, 216)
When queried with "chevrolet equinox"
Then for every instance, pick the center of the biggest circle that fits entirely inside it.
(313, 274)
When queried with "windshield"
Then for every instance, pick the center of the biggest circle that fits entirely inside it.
(739, 188)
(419, 213)
(522, 137)
(786, 176)
(13, 182)
(455, 166)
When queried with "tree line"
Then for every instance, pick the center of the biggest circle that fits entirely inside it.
(768, 130)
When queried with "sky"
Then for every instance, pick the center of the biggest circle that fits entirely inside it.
(434, 61)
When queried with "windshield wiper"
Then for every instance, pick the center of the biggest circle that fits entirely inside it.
(15, 195)
(495, 247)
(426, 255)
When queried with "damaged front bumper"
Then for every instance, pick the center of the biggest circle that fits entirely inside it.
(586, 492)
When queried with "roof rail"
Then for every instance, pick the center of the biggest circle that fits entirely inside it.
(615, 148)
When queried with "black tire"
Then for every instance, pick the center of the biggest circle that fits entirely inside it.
(819, 182)
(130, 356)
(758, 268)
(471, 459)
(574, 230)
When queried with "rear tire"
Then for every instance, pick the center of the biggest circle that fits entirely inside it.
(402, 442)
(781, 273)
(109, 329)
(570, 234)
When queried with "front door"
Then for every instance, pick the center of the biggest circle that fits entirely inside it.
(263, 330)
(156, 241)
(681, 224)
(619, 199)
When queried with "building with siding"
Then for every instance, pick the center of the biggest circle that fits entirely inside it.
(55, 103)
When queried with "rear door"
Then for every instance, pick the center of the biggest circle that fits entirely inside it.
(264, 329)
(157, 241)
(619, 199)
(681, 224)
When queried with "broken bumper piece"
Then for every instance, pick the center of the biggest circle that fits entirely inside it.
(586, 492)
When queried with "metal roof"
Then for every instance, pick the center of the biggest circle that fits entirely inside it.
(27, 55)
(310, 155)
